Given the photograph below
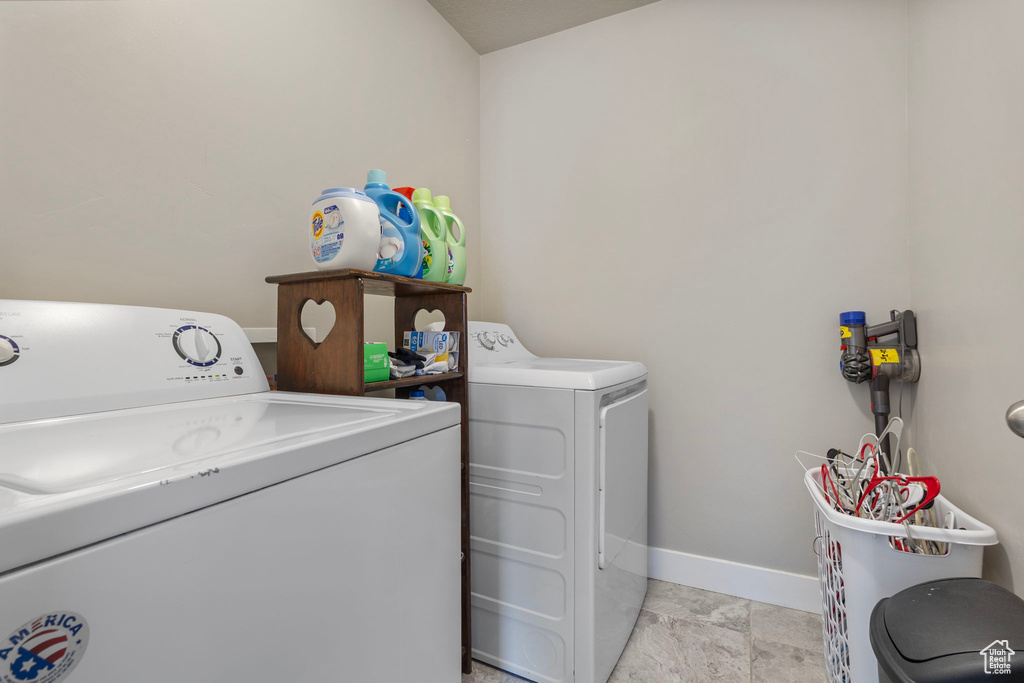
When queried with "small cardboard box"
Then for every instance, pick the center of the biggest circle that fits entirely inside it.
(375, 362)
(445, 345)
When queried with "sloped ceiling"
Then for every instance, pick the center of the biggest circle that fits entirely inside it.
(489, 25)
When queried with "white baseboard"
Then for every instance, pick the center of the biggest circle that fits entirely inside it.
(775, 587)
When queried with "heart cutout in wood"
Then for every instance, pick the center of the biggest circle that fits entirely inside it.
(425, 318)
(319, 316)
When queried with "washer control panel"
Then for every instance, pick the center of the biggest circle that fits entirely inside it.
(71, 358)
(200, 348)
(494, 342)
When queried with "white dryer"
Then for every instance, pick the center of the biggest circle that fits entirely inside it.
(558, 491)
(165, 518)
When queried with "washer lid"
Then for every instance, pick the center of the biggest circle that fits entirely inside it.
(558, 373)
(67, 482)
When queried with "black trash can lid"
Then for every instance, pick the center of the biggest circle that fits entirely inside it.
(936, 631)
(953, 616)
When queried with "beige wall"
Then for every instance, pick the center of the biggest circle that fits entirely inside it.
(167, 153)
(700, 185)
(703, 186)
(967, 256)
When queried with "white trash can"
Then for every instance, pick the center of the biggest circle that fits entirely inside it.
(858, 566)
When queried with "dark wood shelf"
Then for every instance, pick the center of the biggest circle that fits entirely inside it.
(335, 365)
(373, 283)
(411, 381)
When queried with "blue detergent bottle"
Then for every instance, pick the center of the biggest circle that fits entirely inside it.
(405, 211)
(401, 251)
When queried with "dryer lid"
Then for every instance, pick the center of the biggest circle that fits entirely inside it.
(496, 356)
(558, 373)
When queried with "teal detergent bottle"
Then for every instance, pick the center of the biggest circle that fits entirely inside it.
(401, 251)
(432, 229)
(455, 237)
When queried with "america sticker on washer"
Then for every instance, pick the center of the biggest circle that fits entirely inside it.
(44, 650)
(328, 239)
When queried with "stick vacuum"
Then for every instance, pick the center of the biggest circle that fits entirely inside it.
(865, 358)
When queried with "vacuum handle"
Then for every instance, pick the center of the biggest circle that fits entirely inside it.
(902, 323)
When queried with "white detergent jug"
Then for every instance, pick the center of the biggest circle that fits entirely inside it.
(344, 230)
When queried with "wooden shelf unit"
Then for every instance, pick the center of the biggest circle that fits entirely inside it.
(417, 381)
(335, 365)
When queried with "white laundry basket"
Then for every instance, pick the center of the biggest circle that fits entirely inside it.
(857, 567)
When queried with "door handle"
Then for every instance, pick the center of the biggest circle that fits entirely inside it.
(1015, 418)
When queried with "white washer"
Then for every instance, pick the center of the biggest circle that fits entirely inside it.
(165, 518)
(558, 491)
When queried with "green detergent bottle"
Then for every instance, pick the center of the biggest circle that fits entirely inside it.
(432, 231)
(455, 237)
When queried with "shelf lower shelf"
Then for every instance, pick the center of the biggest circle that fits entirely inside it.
(411, 381)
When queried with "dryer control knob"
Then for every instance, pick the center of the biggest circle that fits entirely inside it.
(487, 339)
(503, 338)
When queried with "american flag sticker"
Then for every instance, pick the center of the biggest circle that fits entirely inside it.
(44, 650)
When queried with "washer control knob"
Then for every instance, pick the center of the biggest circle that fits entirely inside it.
(503, 338)
(8, 351)
(197, 345)
(487, 339)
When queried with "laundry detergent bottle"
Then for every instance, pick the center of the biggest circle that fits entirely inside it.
(344, 230)
(400, 250)
(405, 211)
(455, 238)
(432, 232)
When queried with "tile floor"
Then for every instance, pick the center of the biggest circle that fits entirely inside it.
(686, 635)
